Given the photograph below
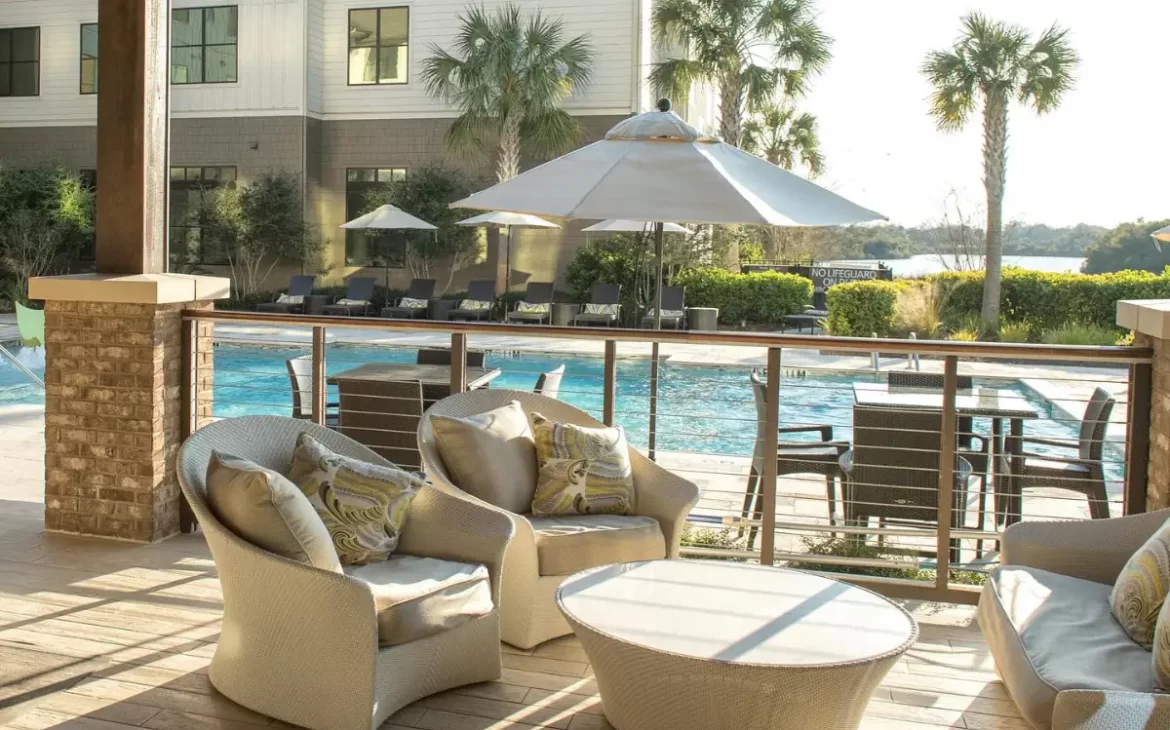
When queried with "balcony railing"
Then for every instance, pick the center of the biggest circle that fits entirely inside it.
(934, 469)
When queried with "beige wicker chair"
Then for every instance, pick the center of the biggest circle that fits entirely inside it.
(301, 644)
(528, 609)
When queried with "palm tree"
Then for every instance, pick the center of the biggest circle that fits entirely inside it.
(749, 49)
(782, 136)
(992, 63)
(508, 77)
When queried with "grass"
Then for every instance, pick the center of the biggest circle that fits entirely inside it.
(1015, 332)
(1076, 333)
(843, 547)
(920, 310)
(967, 329)
(706, 537)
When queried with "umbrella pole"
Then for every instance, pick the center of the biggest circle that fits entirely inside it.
(654, 346)
(507, 266)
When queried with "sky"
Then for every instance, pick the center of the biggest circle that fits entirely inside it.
(1102, 158)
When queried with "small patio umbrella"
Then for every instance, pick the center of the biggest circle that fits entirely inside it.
(388, 217)
(627, 226)
(507, 221)
(1160, 236)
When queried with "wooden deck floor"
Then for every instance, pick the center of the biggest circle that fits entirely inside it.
(97, 635)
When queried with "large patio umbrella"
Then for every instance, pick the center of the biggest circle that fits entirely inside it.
(507, 221)
(1160, 236)
(656, 167)
(627, 226)
(388, 217)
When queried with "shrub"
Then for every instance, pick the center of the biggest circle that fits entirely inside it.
(1015, 332)
(1077, 333)
(920, 310)
(762, 298)
(706, 537)
(862, 308)
(1048, 300)
(844, 547)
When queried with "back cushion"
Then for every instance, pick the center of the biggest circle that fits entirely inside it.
(266, 509)
(490, 455)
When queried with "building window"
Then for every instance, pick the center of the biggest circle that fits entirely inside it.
(371, 248)
(20, 62)
(191, 189)
(378, 46)
(204, 45)
(89, 58)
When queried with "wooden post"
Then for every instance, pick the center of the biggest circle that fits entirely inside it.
(1137, 446)
(946, 471)
(319, 388)
(771, 443)
(133, 77)
(188, 407)
(458, 362)
(610, 385)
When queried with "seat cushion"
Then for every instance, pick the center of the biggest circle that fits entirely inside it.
(417, 597)
(490, 455)
(266, 509)
(364, 506)
(1050, 632)
(569, 543)
(1141, 587)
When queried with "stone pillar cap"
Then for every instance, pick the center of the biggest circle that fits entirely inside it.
(129, 288)
(1147, 316)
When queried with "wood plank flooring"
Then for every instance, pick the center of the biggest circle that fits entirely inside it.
(98, 635)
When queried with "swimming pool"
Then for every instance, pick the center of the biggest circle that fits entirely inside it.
(707, 410)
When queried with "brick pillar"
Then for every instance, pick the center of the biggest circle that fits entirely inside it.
(112, 417)
(1150, 322)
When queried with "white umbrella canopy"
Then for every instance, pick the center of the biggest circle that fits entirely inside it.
(654, 166)
(1162, 234)
(628, 226)
(389, 217)
(506, 220)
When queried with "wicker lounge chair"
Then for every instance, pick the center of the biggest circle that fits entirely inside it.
(604, 306)
(300, 377)
(1083, 473)
(481, 297)
(892, 471)
(549, 384)
(528, 609)
(415, 303)
(357, 298)
(437, 356)
(383, 416)
(281, 617)
(821, 457)
(674, 309)
(293, 300)
(536, 306)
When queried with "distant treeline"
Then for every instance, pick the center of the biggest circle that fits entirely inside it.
(1020, 239)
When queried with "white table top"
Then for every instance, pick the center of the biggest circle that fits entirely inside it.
(989, 402)
(737, 613)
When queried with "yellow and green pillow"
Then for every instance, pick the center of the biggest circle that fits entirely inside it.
(364, 506)
(1141, 588)
(583, 470)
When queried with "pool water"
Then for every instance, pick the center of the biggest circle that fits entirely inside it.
(706, 410)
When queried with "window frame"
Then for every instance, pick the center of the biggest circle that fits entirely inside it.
(11, 65)
(203, 46)
(81, 62)
(349, 47)
(201, 184)
(352, 235)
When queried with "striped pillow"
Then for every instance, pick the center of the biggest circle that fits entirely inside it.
(1142, 586)
(533, 308)
(565, 453)
(1161, 650)
(474, 305)
(412, 303)
(610, 309)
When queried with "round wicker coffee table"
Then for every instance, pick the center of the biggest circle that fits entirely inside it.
(716, 645)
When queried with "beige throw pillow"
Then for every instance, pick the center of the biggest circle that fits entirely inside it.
(490, 455)
(266, 509)
(1141, 588)
(583, 470)
(364, 506)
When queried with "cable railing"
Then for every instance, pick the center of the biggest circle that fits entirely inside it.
(903, 478)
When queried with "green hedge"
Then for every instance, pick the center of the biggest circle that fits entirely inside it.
(763, 298)
(862, 308)
(1050, 301)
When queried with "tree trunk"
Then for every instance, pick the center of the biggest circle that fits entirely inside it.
(730, 109)
(508, 154)
(995, 110)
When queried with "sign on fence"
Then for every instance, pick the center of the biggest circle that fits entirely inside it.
(824, 276)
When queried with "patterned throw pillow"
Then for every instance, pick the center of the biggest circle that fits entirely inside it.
(363, 505)
(1161, 650)
(533, 308)
(412, 303)
(610, 309)
(352, 302)
(472, 304)
(1141, 588)
(667, 313)
(290, 299)
(566, 453)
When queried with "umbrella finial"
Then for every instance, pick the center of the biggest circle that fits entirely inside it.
(663, 105)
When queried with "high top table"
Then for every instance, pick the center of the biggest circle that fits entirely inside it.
(727, 646)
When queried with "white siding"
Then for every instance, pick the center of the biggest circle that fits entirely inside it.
(271, 72)
(316, 48)
(610, 24)
(60, 102)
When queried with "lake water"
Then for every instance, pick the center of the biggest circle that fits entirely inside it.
(924, 264)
